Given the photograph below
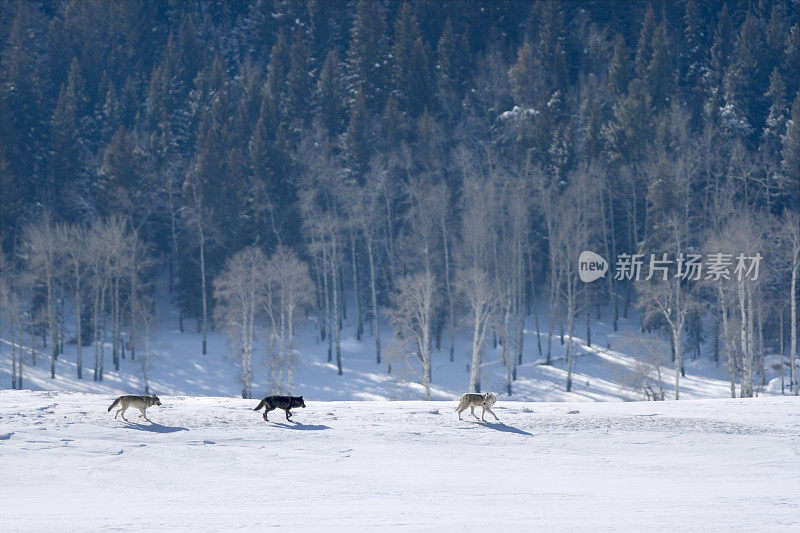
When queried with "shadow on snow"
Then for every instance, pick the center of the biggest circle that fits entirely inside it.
(499, 426)
(298, 425)
(155, 428)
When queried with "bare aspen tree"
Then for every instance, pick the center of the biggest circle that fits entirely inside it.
(420, 246)
(546, 193)
(106, 242)
(481, 296)
(271, 307)
(356, 293)
(146, 310)
(290, 290)
(512, 213)
(473, 280)
(791, 241)
(9, 310)
(44, 255)
(444, 202)
(665, 294)
(323, 220)
(722, 211)
(199, 216)
(238, 291)
(73, 239)
(121, 263)
(745, 239)
(411, 314)
(333, 257)
(365, 213)
(570, 236)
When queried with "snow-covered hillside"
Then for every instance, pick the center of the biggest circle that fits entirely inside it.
(213, 464)
(610, 369)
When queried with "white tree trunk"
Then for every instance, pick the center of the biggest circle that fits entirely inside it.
(477, 348)
(147, 356)
(570, 329)
(359, 316)
(78, 324)
(728, 347)
(335, 284)
(448, 285)
(747, 376)
(374, 295)
(203, 282)
(793, 342)
(246, 373)
(51, 317)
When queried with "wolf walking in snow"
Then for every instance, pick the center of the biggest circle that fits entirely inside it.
(139, 402)
(271, 403)
(473, 400)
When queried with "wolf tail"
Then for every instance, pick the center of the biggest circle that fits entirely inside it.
(461, 402)
(110, 407)
(260, 404)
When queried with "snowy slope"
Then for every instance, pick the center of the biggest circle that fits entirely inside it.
(212, 463)
(607, 370)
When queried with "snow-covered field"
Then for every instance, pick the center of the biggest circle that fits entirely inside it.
(213, 464)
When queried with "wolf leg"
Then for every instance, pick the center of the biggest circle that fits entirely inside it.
(144, 414)
(122, 413)
(267, 409)
(472, 410)
(288, 414)
(494, 415)
(459, 413)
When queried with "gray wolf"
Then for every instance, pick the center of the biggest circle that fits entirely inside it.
(473, 400)
(139, 402)
(271, 403)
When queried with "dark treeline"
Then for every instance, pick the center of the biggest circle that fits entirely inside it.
(441, 164)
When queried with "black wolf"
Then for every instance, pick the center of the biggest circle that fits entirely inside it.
(270, 403)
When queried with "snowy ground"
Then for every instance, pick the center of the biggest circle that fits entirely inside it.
(212, 464)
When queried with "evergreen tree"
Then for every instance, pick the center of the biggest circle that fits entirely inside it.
(277, 71)
(693, 61)
(632, 128)
(751, 73)
(644, 50)
(65, 184)
(330, 96)
(660, 77)
(299, 84)
(111, 114)
(406, 33)
(791, 149)
(721, 51)
(449, 71)
(775, 125)
(620, 69)
(791, 58)
(523, 76)
(366, 62)
(357, 141)
(419, 89)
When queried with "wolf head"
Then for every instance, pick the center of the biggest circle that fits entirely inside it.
(489, 399)
(298, 402)
(155, 400)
